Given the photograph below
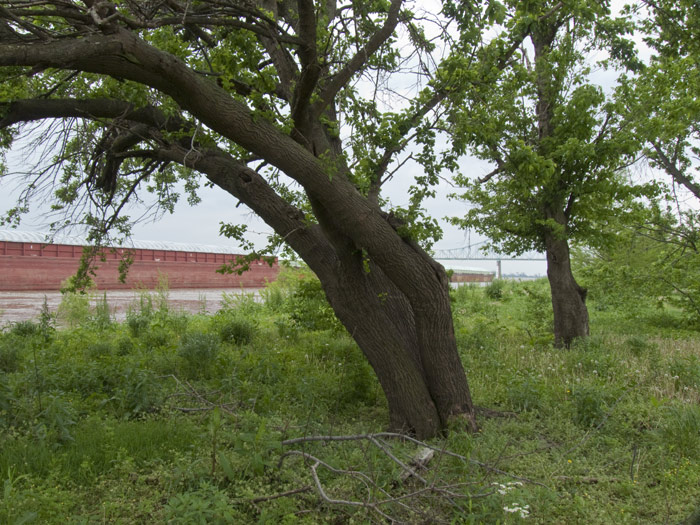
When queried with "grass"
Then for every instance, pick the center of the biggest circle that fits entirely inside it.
(167, 418)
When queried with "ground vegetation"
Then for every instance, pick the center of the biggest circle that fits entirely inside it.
(267, 412)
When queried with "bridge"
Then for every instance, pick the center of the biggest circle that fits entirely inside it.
(479, 252)
(476, 252)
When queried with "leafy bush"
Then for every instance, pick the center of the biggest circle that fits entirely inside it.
(56, 420)
(9, 354)
(198, 350)
(25, 329)
(537, 312)
(298, 294)
(74, 309)
(207, 504)
(139, 315)
(236, 330)
(495, 289)
(138, 393)
(7, 402)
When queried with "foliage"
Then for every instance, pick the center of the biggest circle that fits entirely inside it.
(494, 290)
(198, 349)
(654, 258)
(126, 431)
(297, 293)
(556, 142)
(660, 98)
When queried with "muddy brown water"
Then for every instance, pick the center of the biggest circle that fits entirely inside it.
(23, 306)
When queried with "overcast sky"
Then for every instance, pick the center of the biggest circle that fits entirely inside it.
(200, 224)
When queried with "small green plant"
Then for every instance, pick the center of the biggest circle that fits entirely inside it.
(207, 504)
(495, 289)
(8, 402)
(138, 393)
(102, 317)
(198, 351)
(139, 315)
(525, 394)
(9, 354)
(25, 329)
(74, 309)
(680, 430)
(538, 318)
(303, 300)
(236, 330)
(589, 406)
(11, 498)
(56, 420)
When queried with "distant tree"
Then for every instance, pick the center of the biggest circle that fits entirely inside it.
(559, 146)
(276, 103)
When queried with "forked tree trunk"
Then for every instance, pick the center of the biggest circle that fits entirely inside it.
(412, 349)
(568, 298)
(424, 391)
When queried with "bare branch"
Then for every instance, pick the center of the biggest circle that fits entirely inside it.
(676, 173)
(357, 62)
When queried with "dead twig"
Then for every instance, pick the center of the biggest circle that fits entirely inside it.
(403, 437)
(292, 492)
(201, 397)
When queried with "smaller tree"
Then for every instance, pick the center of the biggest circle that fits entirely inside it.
(558, 144)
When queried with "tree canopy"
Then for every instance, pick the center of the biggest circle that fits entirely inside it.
(277, 103)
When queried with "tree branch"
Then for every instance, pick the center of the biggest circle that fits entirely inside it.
(310, 68)
(676, 173)
(358, 61)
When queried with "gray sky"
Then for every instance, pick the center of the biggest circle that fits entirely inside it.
(200, 224)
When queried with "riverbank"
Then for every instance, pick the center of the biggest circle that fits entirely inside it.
(24, 306)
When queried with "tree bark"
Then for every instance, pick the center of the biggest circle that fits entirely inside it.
(568, 298)
(419, 370)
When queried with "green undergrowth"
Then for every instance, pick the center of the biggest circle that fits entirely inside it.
(174, 418)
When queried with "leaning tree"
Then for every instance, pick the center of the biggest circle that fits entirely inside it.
(276, 103)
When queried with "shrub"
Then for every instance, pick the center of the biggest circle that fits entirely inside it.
(7, 402)
(236, 330)
(495, 289)
(138, 393)
(74, 309)
(25, 329)
(139, 315)
(9, 354)
(298, 293)
(204, 505)
(198, 350)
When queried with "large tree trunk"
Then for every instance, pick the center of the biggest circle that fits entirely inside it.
(412, 349)
(568, 298)
(424, 394)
